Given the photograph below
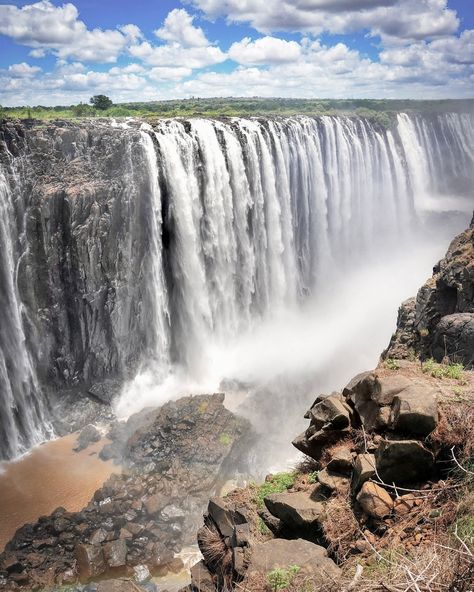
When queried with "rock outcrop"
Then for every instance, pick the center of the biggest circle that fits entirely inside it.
(173, 458)
(439, 322)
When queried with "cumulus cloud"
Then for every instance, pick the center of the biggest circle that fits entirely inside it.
(393, 20)
(57, 29)
(266, 50)
(178, 28)
(23, 70)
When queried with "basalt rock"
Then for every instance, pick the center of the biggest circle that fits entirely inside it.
(439, 322)
(140, 517)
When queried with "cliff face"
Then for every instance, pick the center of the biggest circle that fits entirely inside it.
(439, 322)
(82, 210)
(124, 244)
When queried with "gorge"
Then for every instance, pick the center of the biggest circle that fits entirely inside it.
(143, 262)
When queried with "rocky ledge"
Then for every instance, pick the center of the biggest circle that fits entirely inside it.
(439, 322)
(385, 469)
(173, 458)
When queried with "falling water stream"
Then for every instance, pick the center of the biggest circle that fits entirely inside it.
(261, 232)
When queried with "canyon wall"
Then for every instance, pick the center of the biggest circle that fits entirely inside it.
(124, 244)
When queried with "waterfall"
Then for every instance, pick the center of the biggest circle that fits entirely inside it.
(246, 220)
(22, 421)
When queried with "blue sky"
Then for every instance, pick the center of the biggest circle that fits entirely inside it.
(61, 53)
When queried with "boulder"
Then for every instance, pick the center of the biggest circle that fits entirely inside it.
(87, 436)
(386, 387)
(374, 500)
(341, 461)
(221, 516)
(454, 337)
(115, 553)
(201, 578)
(333, 481)
(90, 561)
(331, 412)
(415, 409)
(295, 509)
(312, 560)
(403, 462)
(155, 503)
(364, 469)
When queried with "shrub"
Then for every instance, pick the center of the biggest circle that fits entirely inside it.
(279, 579)
(392, 364)
(275, 484)
(453, 371)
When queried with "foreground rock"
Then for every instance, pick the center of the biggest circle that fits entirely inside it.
(174, 457)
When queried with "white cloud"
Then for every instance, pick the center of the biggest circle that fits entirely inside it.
(178, 28)
(266, 50)
(57, 29)
(393, 20)
(177, 56)
(174, 74)
(23, 70)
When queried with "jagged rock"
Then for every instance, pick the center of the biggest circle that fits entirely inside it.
(106, 390)
(386, 387)
(415, 410)
(87, 436)
(341, 461)
(312, 559)
(333, 481)
(403, 462)
(98, 536)
(454, 335)
(295, 509)
(115, 553)
(364, 469)
(90, 561)
(239, 561)
(404, 504)
(240, 535)
(374, 500)
(221, 515)
(331, 413)
(430, 325)
(273, 523)
(155, 503)
(201, 578)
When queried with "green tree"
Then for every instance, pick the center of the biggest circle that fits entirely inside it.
(101, 102)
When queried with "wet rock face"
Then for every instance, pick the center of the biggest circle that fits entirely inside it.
(439, 323)
(173, 459)
(85, 202)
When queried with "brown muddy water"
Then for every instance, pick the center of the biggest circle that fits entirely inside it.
(49, 476)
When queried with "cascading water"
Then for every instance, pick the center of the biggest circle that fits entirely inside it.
(22, 421)
(248, 222)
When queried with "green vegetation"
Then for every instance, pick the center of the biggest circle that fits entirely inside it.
(392, 364)
(262, 527)
(380, 112)
(275, 484)
(453, 371)
(101, 102)
(225, 439)
(279, 579)
(313, 477)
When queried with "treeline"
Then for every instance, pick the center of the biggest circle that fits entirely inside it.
(381, 111)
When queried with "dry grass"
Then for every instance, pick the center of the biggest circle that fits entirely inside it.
(213, 548)
(455, 428)
(340, 526)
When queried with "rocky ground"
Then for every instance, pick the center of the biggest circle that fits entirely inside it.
(173, 458)
(385, 499)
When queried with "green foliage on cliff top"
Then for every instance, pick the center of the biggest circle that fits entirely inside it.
(277, 483)
(380, 112)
